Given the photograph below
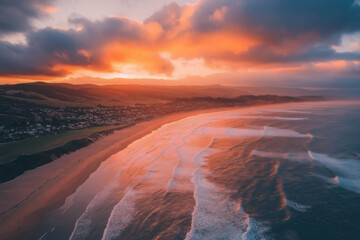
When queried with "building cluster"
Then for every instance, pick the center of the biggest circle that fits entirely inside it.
(33, 120)
(21, 120)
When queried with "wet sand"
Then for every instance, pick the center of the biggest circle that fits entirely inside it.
(26, 199)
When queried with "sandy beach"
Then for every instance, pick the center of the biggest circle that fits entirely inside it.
(26, 199)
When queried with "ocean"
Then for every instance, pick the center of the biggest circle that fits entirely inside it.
(288, 171)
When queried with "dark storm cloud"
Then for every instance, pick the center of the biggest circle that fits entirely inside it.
(284, 31)
(309, 27)
(281, 19)
(44, 50)
(262, 55)
(49, 48)
(277, 32)
(16, 15)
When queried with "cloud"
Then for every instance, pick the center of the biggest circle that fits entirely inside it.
(16, 15)
(230, 34)
(97, 45)
(282, 30)
(168, 17)
(281, 19)
(260, 32)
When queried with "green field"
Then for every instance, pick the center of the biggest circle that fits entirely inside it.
(10, 151)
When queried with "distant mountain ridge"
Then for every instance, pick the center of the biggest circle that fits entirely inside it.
(62, 94)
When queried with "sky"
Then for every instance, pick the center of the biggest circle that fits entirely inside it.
(305, 43)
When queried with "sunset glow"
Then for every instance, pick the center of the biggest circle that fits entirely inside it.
(51, 41)
(179, 119)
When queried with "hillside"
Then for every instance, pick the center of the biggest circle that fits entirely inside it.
(62, 95)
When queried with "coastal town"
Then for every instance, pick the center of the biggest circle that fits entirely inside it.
(43, 120)
(29, 120)
(35, 121)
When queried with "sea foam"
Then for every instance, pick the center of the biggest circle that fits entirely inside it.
(347, 170)
(120, 217)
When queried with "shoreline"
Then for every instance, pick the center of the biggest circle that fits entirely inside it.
(30, 196)
(9, 170)
(22, 163)
(27, 198)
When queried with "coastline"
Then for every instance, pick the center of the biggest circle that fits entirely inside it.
(22, 163)
(26, 199)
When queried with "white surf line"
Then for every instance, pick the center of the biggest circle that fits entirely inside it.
(266, 131)
(132, 150)
(293, 156)
(255, 231)
(174, 172)
(297, 206)
(343, 167)
(120, 217)
(285, 110)
(126, 206)
(347, 170)
(116, 223)
(78, 227)
(44, 235)
(182, 160)
(82, 225)
(71, 198)
(193, 180)
(214, 216)
(266, 118)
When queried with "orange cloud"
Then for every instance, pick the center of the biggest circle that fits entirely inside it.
(219, 14)
(49, 9)
(223, 34)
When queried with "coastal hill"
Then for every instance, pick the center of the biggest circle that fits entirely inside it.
(62, 94)
(90, 95)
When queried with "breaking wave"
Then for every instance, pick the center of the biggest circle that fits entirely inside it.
(211, 176)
